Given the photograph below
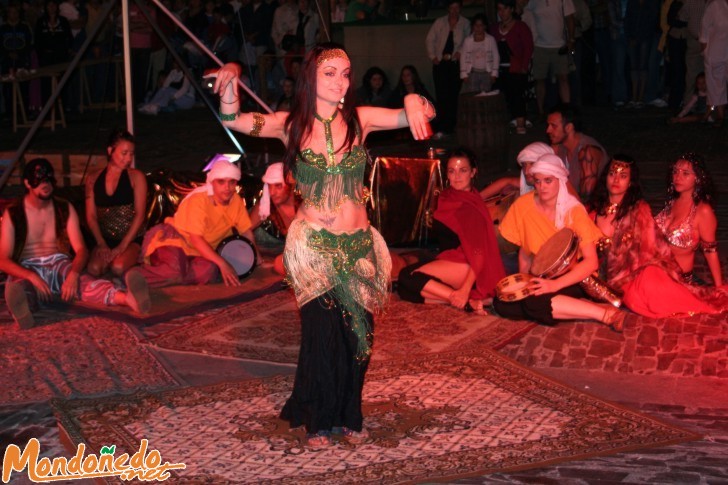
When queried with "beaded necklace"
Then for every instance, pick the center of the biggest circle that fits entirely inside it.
(327, 134)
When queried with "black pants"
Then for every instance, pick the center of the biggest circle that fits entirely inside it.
(537, 308)
(329, 377)
(676, 49)
(514, 87)
(446, 76)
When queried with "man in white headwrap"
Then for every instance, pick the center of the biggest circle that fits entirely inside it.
(181, 250)
(526, 158)
(530, 222)
(274, 212)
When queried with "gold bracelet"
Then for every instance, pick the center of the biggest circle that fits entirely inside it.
(258, 122)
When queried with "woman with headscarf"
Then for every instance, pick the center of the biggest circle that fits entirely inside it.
(530, 222)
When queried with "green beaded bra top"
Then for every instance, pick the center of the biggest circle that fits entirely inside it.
(325, 184)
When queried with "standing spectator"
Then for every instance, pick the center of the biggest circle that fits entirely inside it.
(677, 33)
(515, 47)
(617, 11)
(295, 27)
(140, 41)
(599, 10)
(714, 42)
(75, 13)
(582, 23)
(16, 39)
(375, 90)
(639, 28)
(444, 43)
(409, 83)
(257, 19)
(285, 20)
(550, 55)
(52, 42)
(339, 12)
(692, 14)
(480, 59)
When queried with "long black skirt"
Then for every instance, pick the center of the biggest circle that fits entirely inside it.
(329, 378)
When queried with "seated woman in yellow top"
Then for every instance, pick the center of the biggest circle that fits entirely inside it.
(529, 223)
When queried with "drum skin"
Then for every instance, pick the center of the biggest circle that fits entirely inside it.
(556, 255)
(239, 252)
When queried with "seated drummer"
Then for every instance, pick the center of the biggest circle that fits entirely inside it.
(270, 222)
(529, 223)
(181, 250)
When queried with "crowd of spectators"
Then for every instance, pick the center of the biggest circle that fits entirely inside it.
(627, 53)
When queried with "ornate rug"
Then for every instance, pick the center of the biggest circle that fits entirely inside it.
(434, 417)
(167, 303)
(82, 357)
(269, 329)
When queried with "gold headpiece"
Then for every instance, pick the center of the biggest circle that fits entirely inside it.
(329, 54)
(619, 166)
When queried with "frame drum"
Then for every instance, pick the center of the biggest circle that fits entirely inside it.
(514, 287)
(240, 253)
(498, 205)
(556, 255)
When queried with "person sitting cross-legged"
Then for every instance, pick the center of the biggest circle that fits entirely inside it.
(36, 239)
(181, 250)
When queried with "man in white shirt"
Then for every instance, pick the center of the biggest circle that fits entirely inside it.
(550, 47)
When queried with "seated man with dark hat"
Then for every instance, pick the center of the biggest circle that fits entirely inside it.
(37, 237)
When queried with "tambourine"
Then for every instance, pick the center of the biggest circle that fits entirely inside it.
(514, 287)
(240, 253)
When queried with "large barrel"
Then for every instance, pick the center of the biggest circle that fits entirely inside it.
(483, 127)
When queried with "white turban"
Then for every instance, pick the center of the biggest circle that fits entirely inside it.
(273, 175)
(530, 154)
(221, 168)
(552, 165)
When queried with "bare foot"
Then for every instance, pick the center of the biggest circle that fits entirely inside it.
(137, 292)
(477, 306)
(17, 302)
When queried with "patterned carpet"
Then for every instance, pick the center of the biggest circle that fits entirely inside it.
(269, 329)
(435, 417)
(82, 357)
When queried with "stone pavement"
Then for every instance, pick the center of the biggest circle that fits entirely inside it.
(684, 347)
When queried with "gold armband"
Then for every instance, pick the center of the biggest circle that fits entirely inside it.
(258, 122)
(709, 247)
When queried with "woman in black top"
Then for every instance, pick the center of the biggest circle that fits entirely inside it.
(115, 208)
